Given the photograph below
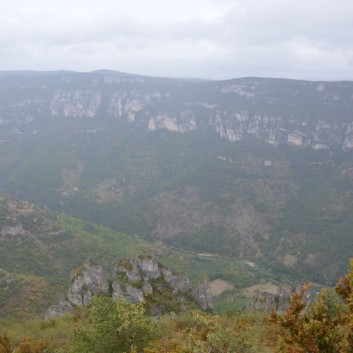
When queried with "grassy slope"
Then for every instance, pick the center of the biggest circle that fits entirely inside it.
(42, 263)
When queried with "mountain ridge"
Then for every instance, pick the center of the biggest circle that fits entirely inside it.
(123, 73)
(257, 169)
(276, 111)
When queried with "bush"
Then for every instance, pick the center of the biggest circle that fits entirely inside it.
(117, 326)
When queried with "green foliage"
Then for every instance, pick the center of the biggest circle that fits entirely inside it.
(57, 332)
(325, 327)
(56, 244)
(208, 239)
(317, 331)
(116, 326)
(50, 248)
(24, 346)
(25, 297)
(200, 332)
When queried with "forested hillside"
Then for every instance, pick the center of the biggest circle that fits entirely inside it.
(259, 170)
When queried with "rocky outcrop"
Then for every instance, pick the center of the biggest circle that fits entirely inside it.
(75, 103)
(279, 301)
(265, 301)
(179, 283)
(133, 280)
(87, 281)
(137, 279)
(203, 295)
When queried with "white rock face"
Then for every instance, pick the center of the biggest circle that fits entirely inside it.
(179, 283)
(147, 288)
(227, 129)
(326, 134)
(151, 125)
(295, 138)
(348, 138)
(153, 108)
(133, 295)
(134, 105)
(75, 103)
(90, 280)
(230, 123)
(118, 291)
(131, 117)
(185, 123)
(163, 121)
(203, 295)
(116, 106)
(235, 127)
(149, 267)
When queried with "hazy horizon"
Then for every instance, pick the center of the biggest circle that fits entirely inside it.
(207, 39)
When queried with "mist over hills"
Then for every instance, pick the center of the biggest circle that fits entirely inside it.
(260, 170)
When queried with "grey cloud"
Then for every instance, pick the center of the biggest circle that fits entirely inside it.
(223, 39)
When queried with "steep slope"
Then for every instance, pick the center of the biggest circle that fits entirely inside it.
(39, 249)
(289, 112)
(256, 169)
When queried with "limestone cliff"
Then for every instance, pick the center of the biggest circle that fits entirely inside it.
(87, 281)
(318, 115)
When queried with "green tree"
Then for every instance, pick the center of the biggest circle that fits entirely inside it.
(325, 327)
(116, 327)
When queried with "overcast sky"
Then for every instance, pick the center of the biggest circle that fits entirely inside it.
(218, 39)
